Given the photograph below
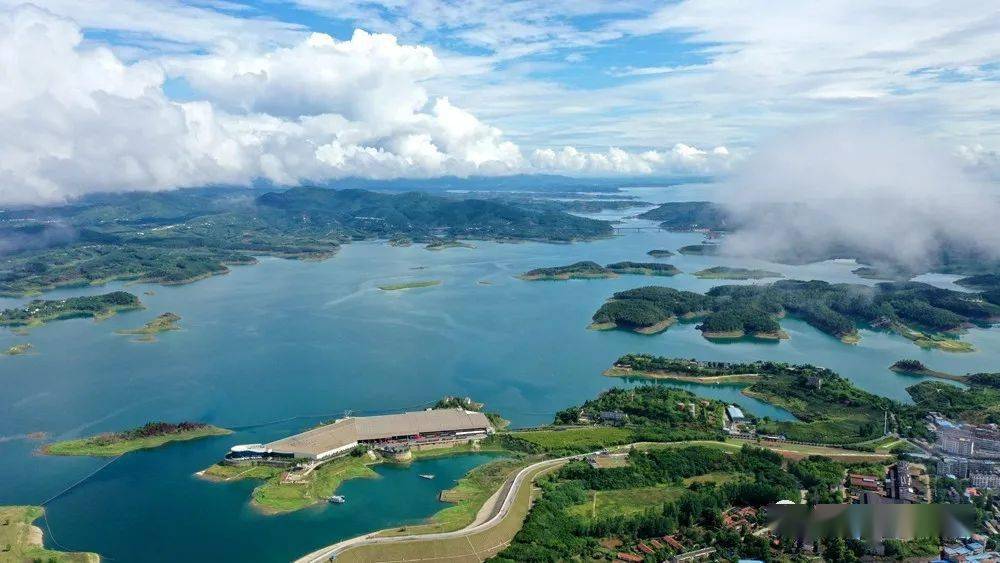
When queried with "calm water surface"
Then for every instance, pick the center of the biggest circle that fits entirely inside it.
(272, 349)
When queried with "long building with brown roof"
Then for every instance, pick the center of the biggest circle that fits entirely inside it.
(343, 435)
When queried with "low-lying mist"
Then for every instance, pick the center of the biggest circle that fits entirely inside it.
(872, 191)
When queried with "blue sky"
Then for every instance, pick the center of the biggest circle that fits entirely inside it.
(289, 91)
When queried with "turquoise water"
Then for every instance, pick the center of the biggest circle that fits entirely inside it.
(298, 342)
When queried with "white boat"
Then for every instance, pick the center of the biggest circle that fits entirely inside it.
(337, 499)
(426, 476)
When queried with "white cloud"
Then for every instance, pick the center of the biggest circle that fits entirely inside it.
(79, 119)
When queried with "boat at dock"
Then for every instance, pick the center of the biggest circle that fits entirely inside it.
(337, 499)
(426, 476)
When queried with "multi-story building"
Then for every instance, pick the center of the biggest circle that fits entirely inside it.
(985, 480)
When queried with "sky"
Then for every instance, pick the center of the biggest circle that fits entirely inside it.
(110, 95)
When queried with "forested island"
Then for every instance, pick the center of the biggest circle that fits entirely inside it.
(148, 332)
(704, 249)
(727, 273)
(186, 235)
(579, 270)
(643, 268)
(150, 435)
(446, 244)
(660, 253)
(691, 216)
(931, 317)
(39, 311)
(592, 270)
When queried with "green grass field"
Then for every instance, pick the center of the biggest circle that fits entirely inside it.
(93, 446)
(275, 497)
(588, 437)
(624, 501)
(19, 542)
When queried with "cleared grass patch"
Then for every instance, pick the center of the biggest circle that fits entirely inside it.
(275, 496)
(587, 437)
(622, 502)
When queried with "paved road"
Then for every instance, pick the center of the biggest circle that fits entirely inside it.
(514, 485)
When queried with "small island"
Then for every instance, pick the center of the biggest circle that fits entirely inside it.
(881, 274)
(727, 273)
(150, 435)
(19, 349)
(660, 253)
(409, 285)
(445, 244)
(40, 311)
(704, 249)
(643, 268)
(579, 270)
(148, 332)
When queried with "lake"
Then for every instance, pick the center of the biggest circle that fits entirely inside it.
(275, 348)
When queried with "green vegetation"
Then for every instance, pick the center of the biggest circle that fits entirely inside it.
(40, 311)
(151, 435)
(446, 244)
(930, 316)
(19, 349)
(592, 514)
(689, 216)
(886, 273)
(643, 268)
(727, 273)
(578, 270)
(570, 439)
(148, 332)
(647, 307)
(409, 285)
(679, 369)
(660, 253)
(916, 367)
(978, 403)
(178, 237)
(278, 496)
(704, 249)
(21, 541)
(980, 281)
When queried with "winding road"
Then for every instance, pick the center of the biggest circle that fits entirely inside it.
(502, 502)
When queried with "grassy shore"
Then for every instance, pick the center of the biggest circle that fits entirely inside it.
(276, 496)
(409, 285)
(671, 376)
(107, 445)
(21, 540)
(922, 370)
(926, 340)
(586, 437)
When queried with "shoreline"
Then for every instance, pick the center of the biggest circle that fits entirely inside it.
(82, 447)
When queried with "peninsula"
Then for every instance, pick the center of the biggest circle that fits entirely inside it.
(446, 244)
(727, 273)
(21, 540)
(148, 332)
(678, 369)
(40, 311)
(150, 435)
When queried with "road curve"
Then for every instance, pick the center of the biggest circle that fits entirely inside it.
(326, 553)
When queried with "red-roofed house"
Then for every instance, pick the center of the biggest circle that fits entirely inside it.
(645, 548)
(633, 558)
(673, 543)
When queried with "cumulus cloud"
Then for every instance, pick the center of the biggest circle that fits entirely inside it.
(861, 188)
(78, 119)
